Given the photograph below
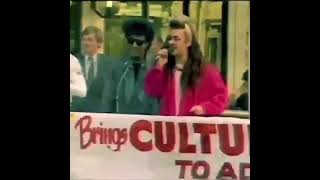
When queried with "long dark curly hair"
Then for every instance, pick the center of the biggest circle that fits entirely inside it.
(193, 68)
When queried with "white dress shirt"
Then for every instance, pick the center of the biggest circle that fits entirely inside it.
(78, 85)
(95, 63)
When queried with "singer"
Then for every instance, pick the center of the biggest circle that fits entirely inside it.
(182, 80)
(129, 93)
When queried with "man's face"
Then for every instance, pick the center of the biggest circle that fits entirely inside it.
(90, 45)
(178, 42)
(137, 45)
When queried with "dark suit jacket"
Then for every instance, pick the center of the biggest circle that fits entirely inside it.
(93, 102)
(132, 99)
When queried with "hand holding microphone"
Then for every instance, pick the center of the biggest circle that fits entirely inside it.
(162, 57)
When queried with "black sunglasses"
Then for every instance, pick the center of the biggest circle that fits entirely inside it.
(138, 42)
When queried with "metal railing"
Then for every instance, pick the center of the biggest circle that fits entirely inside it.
(236, 113)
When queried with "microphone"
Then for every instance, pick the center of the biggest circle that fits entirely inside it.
(166, 46)
(170, 52)
(126, 63)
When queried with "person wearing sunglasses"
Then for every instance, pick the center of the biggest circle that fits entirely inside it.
(129, 96)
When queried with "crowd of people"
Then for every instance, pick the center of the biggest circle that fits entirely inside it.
(154, 77)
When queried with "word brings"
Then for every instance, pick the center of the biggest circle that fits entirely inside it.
(119, 136)
(102, 135)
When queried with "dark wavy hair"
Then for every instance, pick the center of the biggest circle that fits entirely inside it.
(193, 68)
(139, 26)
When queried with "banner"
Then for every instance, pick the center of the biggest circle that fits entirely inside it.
(138, 147)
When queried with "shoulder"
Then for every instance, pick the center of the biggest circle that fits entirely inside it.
(79, 56)
(116, 65)
(117, 62)
(106, 61)
(74, 63)
(210, 69)
(106, 57)
(73, 59)
(109, 59)
(212, 77)
(211, 74)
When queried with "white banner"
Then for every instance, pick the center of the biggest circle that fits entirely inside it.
(137, 147)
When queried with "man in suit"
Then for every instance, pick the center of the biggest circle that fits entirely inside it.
(95, 66)
(128, 74)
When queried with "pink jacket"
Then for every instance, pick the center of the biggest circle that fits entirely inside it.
(210, 93)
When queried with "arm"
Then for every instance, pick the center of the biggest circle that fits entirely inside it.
(154, 83)
(218, 93)
(77, 82)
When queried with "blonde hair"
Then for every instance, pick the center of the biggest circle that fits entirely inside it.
(93, 30)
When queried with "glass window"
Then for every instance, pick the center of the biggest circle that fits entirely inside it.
(207, 17)
(160, 12)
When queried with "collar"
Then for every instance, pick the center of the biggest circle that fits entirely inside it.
(179, 67)
(95, 57)
(129, 62)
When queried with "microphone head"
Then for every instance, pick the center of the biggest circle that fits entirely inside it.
(125, 63)
(168, 47)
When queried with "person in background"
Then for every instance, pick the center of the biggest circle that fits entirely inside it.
(78, 85)
(128, 76)
(241, 96)
(95, 67)
(181, 79)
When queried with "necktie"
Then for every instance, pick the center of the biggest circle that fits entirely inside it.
(91, 71)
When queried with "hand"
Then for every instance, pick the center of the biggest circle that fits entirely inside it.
(162, 57)
(197, 110)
